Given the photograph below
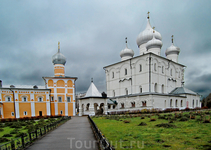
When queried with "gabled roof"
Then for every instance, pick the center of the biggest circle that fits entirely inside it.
(93, 91)
(182, 90)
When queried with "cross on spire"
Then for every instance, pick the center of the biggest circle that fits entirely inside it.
(59, 47)
(148, 15)
(91, 79)
(126, 40)
(172, 38)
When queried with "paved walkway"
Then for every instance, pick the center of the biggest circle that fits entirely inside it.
(75, 134)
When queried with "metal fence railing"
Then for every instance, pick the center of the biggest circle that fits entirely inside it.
(27, 138)
(103, 143)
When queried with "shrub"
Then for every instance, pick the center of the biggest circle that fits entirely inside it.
(142, 124)
(3, 139)
(1, 129)
(126, 121)
(7, 135)
(142, 117)
(15, 131)
(152, 119)
(166, 125)
(16, 125)
(161, 117)
(183, 119)
(8, 124)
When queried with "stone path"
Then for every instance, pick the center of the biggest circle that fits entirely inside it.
(75, 134)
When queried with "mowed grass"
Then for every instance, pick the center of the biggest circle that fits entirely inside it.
(191, 134)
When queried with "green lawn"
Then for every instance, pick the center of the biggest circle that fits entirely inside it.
(191, 134)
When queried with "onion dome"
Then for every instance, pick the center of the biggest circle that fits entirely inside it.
(126, 53)
(147, 34)
(172, 49)
(58, 58)
(154, 43)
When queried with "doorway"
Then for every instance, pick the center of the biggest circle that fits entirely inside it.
(40, 113)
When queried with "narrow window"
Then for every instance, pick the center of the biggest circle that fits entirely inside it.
(126, 91)
(61, 112)
(8, 99)
(60, 99)
(40, 99)
(165, 104)
(52, 98)
(24, 99)
(112, 74)
(171, 72)
(25, 113)
(193, 103)
(125, 71)
(140, 68)
(122, 105)
(155, 68)
(181, 103)
(171, 103)
(162, 88)
(155, 88)
(196, 103)
(140, 89)
(162, 69)
(68, 99)
(176, 103)
(179, 74)
(12, 113)
(113, 93)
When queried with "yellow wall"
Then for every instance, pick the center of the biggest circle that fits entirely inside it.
(70, 109)
(52, 109)
(39, 106)
(25, 107)
(62, 90)
(61, 106)
(8, 109)
(50, 83)
(60, 83)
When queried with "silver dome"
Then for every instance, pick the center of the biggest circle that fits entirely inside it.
(58, 58)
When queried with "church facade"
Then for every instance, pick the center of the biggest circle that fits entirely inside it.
(57, 97)
(148, 80)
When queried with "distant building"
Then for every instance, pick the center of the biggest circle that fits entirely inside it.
(57, 97)
(148, 80)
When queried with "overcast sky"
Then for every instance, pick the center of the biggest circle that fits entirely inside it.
(92, 34)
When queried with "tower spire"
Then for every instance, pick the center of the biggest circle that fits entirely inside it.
(58, 47)
(126, 41)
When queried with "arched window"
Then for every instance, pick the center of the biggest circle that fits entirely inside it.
(125, 71)
(133, 104)
(176, 103)
(162, 69)
(122, 105)
(156, 90)
(179, 74)
(113, 93)
(112, 74)
(126, 91)
(162, 87)
(193, 103)
(171, 72)
(165, 104)
(140, 68)
(171, 105)
(24, 99)
(87, 106)
(155, 67)
(144, 103)
(140, 89)
(181, 104)
(8, 99)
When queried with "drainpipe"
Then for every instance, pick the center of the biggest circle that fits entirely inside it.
(14, 101)
(150, 73)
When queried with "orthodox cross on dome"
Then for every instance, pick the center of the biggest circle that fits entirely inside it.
(91, 79)
(172, 38)
(59, 47)
(148, 15)
(153, 29)
(126, 40)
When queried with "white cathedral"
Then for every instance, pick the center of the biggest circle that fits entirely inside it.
(143, 82)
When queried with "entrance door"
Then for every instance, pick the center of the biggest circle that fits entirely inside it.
(40, 113)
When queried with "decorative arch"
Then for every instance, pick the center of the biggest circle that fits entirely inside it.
(69, 83)
(50, 83)
(60, 83)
